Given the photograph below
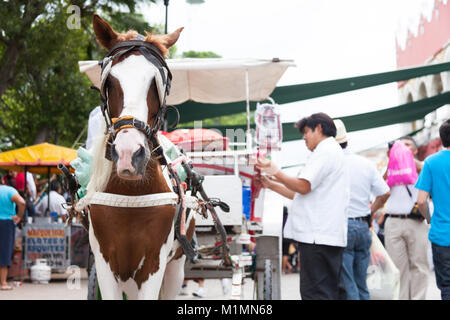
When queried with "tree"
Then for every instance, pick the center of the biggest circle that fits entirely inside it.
(200, 54)
(44, 97)
(18, 18)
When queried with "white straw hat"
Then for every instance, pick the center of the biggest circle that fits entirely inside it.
(341, 132)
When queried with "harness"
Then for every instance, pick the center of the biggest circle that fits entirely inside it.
(184, 203)
(163, 78)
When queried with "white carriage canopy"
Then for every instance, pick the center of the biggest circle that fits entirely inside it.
(214, 81)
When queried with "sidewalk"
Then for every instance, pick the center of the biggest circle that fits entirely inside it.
(60, 289)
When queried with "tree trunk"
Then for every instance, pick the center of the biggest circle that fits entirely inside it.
(43, 135)
(8, 65)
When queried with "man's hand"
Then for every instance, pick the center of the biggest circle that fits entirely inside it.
(267, 166)
(264, 181)
(16, 219)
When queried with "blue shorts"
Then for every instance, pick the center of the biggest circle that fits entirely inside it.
(7, 236)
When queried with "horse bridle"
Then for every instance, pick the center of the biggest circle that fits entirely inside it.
(114, 125)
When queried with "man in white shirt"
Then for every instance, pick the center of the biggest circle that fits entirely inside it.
(56, 200)
(406, 237)
(317, 219)
(365, 181)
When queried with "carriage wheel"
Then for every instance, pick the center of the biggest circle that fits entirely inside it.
(93, 289)
(267, 283)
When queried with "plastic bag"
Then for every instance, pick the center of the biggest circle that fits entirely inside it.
(383, 277)
(401, 167)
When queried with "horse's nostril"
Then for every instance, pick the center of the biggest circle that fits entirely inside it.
(139, 155)
(126, 172)
(139, 158)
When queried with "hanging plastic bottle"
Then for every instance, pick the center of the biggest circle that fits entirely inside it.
(269, 132)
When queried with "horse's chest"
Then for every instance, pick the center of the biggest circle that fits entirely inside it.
(130, 239)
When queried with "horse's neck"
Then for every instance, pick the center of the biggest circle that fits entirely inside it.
(152, 182)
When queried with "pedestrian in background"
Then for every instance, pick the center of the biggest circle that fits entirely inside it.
(56, 201)
(317, 219)
(9, 198)
(406, 235)
(286, 267)
(434, 181)
(365, 181)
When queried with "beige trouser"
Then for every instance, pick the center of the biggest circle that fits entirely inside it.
(406, 242)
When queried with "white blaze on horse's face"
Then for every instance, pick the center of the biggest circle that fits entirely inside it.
(135, 75)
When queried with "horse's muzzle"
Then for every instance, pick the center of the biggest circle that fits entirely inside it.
(131, 168)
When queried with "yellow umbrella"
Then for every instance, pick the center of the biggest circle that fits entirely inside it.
(39, 158)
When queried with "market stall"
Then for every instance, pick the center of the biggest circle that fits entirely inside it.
(42, 237)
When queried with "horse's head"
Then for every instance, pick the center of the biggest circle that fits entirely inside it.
(130, 88)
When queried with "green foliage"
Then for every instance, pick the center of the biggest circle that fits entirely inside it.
(48, 98)
(44, 97)
(231, 120)
(200, 54)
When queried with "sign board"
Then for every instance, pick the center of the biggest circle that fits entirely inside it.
(49, 241)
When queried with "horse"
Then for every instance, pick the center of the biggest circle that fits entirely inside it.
(135, 248)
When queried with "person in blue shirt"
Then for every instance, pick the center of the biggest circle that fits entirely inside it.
(9, 198)
(434, 182)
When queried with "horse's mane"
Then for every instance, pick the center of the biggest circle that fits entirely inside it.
(150, 37)
(100, 167)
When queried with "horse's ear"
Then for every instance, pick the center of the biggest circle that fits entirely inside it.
(106, 36)
(170, 39)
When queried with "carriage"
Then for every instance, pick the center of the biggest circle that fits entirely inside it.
(224, 175)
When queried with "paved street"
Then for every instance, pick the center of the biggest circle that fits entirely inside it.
(62, 289)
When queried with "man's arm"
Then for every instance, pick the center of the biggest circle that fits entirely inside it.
(20, 202)
(277, 187)
(294, 184)
(422, 202)
(379, 202)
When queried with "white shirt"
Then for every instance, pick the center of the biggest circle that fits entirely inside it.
(94, 125)
(364, 181)
(56, 201)
(320, 216)
(399, 201)
(31, 185)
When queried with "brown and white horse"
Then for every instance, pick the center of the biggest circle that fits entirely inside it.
(135, 248)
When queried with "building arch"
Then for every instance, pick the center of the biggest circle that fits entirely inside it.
(436, 86)
(422, 93)
(446, 75)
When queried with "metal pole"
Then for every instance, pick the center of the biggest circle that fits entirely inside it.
(248, 134)
(25, 218)
(166, 3)
(48, 194)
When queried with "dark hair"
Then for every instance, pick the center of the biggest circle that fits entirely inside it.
(1, 178)
(343, 144)
(410, 139)
(390, 144)
(55, 185)
(328, 127)
(444, 133)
